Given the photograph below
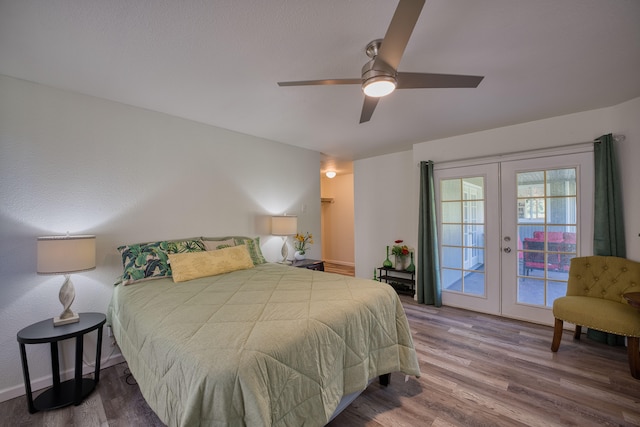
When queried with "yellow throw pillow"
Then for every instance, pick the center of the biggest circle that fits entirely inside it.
(192, 265)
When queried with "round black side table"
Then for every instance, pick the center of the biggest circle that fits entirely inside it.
(71, 391)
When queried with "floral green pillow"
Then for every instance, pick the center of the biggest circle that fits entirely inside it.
(215, 244)
(254, 248)
(144, 261)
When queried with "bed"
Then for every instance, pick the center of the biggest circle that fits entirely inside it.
(265, 345)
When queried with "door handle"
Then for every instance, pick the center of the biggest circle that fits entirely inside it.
(507, 250)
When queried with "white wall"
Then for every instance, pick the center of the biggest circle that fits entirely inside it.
(75, 163)
(338, 219)
(626, 121)
(376, 193)
(384, 204)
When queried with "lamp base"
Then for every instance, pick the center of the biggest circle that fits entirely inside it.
(58, 321)
(67, 295)
(284, 252)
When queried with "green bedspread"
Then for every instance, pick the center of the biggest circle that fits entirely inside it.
(268, 346)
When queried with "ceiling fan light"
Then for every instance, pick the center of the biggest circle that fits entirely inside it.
(379, 86)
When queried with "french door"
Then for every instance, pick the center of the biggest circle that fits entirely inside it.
(468, 198)
(509, 228)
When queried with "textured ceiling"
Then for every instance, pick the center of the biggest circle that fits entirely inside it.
(218, 62)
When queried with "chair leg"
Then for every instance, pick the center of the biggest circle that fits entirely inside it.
(557, 335)
(633, 347)
(576, 334)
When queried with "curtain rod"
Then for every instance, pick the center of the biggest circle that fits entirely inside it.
(616, 138)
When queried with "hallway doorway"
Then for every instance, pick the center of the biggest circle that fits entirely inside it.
(337, 221)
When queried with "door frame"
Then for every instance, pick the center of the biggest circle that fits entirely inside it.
(493, 246)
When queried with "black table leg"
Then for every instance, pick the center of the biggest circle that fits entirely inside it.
(27, 380)
(96, 376)
(77, 394)
(55, 367)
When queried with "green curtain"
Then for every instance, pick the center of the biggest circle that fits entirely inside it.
(429, 286)
(608, 236)
(608, 231)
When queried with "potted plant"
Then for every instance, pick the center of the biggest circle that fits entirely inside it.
(301, 245)
(401, 252)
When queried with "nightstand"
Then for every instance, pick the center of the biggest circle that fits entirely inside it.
(310, 264)
(71, 391)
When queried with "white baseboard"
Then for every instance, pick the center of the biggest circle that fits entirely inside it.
(47, 381)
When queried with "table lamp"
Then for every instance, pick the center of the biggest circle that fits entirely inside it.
(66, 255)
(285, 226)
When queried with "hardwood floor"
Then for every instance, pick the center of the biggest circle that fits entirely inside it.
(345, 270)
(480, 370)
(116, 402)
(477, 370)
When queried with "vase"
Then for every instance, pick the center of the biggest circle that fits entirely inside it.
(387, 262)
(299, 255)
(411, 267)
(400, 262)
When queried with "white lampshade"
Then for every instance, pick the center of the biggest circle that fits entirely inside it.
(66, 254)
(284, 225)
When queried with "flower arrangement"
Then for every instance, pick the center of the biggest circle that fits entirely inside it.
(399, 249)
(301, 242)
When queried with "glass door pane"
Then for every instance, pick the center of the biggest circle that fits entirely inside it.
(547, 239)
(462, 207)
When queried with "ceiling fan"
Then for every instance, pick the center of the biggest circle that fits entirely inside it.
(380, 74)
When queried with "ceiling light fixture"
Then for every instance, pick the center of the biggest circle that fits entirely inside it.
(379, 86)
(330, 174)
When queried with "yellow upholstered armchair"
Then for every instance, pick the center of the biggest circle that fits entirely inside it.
(595, 300)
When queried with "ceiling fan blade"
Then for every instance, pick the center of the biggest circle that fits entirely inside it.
(400, 29)
(322, 82)
(427, 80)
(367, 108)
